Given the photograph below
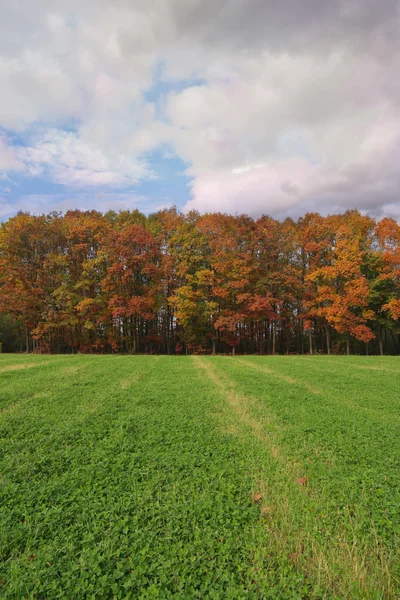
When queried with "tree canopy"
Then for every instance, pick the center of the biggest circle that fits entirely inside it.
(172, 282)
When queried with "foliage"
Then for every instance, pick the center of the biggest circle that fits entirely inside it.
(147, 477)
(125, 282)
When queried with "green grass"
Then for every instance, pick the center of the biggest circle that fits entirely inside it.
(199, 477)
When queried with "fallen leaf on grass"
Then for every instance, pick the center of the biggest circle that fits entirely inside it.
(302, 480)
(256, 497)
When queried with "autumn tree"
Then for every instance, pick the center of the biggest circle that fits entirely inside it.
(343, 290)
(173, 282)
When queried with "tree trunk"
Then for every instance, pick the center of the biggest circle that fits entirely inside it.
(394, 340)
(273, 337)
(328, 340)
(133, 334)
(213, 348)
(348, 343)
(380, 341)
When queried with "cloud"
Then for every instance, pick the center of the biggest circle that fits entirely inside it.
(100, 201)
(73, 161)
(294, 185)
(8, 158)
(279, 107)
(64, 158)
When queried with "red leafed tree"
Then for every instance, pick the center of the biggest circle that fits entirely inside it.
(387, 278)
(342, 289)
(174, 282)
(132, 283)
(28, 279)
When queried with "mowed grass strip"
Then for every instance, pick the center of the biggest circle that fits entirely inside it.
(198, 477)
(342, 446)
(119, 481)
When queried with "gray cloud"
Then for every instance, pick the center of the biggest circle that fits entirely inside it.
(298, 105)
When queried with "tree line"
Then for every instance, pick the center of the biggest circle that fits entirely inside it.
(182, 283)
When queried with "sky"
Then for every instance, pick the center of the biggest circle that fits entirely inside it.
(276, 107)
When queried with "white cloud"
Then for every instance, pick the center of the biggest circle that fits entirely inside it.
(8, 158)
(283, 106)
(66, 159)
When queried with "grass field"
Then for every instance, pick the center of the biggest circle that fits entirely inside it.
(199, 477)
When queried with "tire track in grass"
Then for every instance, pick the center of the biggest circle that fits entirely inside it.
(239, 404)
(331, 365)
(15, 375)
(376, 413)
(127, 382)
(375, 563)
(67, 427)
(181, 485)
(281, 376)
(34, 397)
(341, 368)
(273, 511)
(373, 368)
(290, 508)
(22, 366)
